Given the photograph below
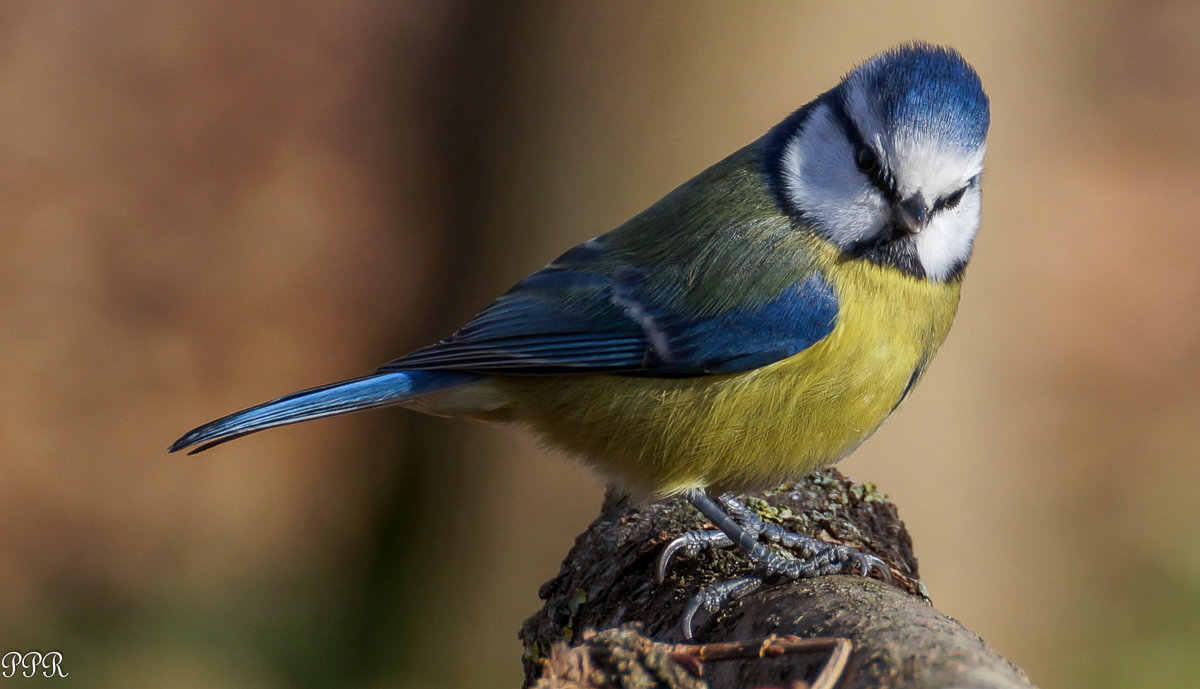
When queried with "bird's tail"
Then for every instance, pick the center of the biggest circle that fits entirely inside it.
(378, 390)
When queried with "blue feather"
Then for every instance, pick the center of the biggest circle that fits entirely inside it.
(338, 398)
(928, 90)
(580, 315)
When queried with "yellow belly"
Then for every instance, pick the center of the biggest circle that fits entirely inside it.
(759, 428)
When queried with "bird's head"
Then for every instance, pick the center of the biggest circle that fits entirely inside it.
(886, 165)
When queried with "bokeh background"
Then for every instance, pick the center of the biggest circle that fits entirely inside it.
(207, 204)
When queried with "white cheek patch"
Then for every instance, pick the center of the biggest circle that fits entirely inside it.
(821, 181)
(946, 242)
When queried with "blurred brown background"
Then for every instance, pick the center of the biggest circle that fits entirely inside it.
(207, 204)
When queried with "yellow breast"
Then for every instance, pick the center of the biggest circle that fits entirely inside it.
(738, 431)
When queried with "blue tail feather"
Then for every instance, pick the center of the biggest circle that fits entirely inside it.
(378, 390)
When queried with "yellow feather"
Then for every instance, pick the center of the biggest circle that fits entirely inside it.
(744, 430)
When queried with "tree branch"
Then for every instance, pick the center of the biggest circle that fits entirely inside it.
(897, 638)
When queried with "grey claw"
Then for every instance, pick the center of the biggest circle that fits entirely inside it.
(667, 554)
(714, 597)
(872, 563)
(689, 612)
(863, 562)
(689, 543)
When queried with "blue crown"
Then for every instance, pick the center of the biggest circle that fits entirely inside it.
(927, 90)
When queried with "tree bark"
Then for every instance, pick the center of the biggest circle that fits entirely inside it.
(896, 637)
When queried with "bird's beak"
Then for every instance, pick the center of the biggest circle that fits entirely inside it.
(911, 214)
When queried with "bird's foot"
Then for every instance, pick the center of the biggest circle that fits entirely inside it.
(738, 525)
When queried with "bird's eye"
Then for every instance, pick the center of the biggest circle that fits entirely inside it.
(867, 161)
(948, 202)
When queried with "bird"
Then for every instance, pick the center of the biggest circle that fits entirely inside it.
(756, 324)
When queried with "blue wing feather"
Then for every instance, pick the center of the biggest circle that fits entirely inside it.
(581, 314)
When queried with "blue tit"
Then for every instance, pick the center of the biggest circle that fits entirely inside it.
(756, 324)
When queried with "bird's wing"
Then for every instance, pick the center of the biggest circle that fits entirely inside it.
(586, 313)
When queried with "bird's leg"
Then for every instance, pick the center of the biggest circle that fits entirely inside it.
(738, 525)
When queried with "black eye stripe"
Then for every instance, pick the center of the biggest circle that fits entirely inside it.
(880, 177)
